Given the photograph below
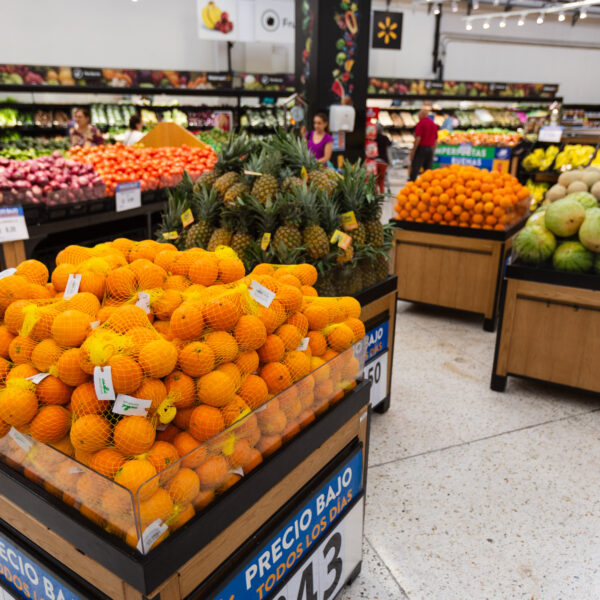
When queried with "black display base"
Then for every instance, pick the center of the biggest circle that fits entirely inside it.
(490, 324)
(545, 273)
(383, 406)
(498, 383)
(376, 291)
(468, 232)
(146, 573)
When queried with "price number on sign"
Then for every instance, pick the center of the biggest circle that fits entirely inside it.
(377, 373)
(330, 565)
(12, 224)
(128, 196)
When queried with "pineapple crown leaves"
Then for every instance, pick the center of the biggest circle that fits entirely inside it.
(311, 201)
(205, 203)
(265, 216)
(177, 203)
(294, 151)
(232, 156)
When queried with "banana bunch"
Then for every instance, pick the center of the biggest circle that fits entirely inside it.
(538, 190)
(573, 156)
(596, 161)
(211, 15)
(540, 159)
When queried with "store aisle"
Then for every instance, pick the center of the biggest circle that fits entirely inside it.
(473, 494)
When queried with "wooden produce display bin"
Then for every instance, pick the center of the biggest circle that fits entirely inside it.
(379, 315)
(453, 267)
(549, 328)
(311, 491)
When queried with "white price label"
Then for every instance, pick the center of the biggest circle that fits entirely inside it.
(75, 470)
(73, 284)
(150, 535)
(7, 272)
(330, 565)
(261, 294)
(22, 440)
(303, 344)
(144, 301)
(128, 196)
(238, 471)
(12, 224)
(103, 383)
(377, 372)
(38, 377)
(128, 405)
(95, 324)
(550, 133)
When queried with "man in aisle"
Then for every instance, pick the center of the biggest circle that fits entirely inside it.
(423, 149)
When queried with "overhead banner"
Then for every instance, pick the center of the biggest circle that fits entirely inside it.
(476, 89)
(111, 77)
(268, 21)
(387, 30)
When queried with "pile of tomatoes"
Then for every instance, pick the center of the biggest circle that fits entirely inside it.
(153, 167)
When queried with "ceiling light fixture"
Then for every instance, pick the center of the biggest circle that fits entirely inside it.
(502, 23)
(561, 17)
(583, 14)
(486, 24)
(496, 2)
(540, 19)
(469, 26)
(437, 10)
(521, 21)
(475, 4)
(454, 6)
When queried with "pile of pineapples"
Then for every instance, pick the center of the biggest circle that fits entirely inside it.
(273, 202)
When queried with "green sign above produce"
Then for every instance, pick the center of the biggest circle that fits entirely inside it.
(484, 157)
(476, 89)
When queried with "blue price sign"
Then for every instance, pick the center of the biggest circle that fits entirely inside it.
(259, 577)
(28, 578)
(377, 340)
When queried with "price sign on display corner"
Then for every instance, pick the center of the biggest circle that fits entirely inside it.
(13, 227)
(377, 372)
(550, 133)
(128, 196)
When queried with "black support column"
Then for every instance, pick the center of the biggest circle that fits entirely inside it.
(332, 60)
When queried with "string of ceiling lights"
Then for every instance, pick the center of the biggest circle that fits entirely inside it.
(578, 7)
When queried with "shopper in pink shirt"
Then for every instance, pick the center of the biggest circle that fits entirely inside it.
(319, 142)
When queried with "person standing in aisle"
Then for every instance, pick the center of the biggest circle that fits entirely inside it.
(134, 134)
(83, 133)
(383, 160)
(425, 144)
(319, 140)
(448, 123)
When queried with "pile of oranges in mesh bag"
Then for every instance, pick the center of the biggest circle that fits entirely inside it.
(141, 381)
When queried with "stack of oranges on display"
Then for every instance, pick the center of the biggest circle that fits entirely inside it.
(142, 381)
(463, 196)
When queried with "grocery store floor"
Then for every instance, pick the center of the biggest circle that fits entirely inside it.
(473, 494)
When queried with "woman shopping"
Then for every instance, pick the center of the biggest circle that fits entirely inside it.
(319, 141)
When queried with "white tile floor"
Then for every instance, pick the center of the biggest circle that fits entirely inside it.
(473, 494)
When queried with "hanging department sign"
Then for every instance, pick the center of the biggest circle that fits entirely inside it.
(387, 30)
(483, 157)
(299, 536)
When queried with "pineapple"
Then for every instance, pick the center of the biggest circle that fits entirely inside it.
(266, 186)
(290, 181)
(352, 191)
(177, 203)
(243, 225)
(372, 212)
(222, 235)
(235, 192)
(314, 237)
(230, 163)
(205, 206)
(332, 222)
(207, 178)
(288, 235)
(325, 283)
(382, 266)
(324, 179)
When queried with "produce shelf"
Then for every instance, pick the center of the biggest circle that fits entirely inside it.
(453, 267)
(549, 323)
(215, 534)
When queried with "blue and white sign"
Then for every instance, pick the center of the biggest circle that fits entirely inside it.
(28, 578)
(12, 224)
(128, 196)
(378, 339)
(259, 577)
